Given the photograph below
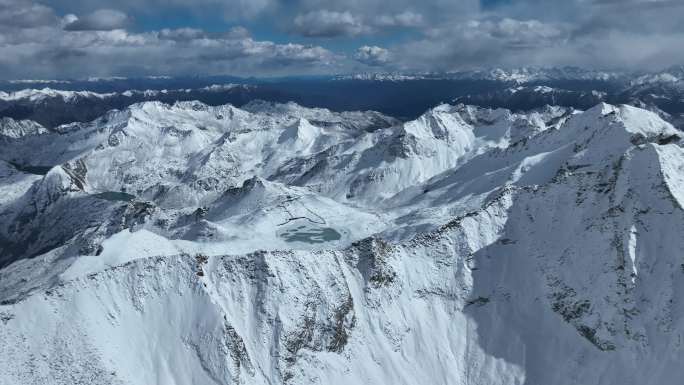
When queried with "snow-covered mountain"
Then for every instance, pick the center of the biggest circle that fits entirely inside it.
(670, 75)
(10, 128)
(277, 244)
(664, 98)
(40, 95)
(508, 75)
(52, 107)
(524, 98)
(403, 95)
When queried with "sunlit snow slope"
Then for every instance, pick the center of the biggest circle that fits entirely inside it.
(275, 244)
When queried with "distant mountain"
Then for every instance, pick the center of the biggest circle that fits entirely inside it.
(407, 100)
(528, 98)
(403, 95)
(516, 75)
(51, 107)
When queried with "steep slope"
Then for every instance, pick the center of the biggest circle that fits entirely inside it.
(537, 248)
(13, 129)
(166, 167)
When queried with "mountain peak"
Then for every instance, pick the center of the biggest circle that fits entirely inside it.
(223, 219)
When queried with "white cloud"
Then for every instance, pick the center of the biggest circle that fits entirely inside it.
(237, 33)
(100, 20)
(37, 41)
(372, 55)
(325, 23)
(181, 34)
(100, 49)
(403, 19)
(228, 9)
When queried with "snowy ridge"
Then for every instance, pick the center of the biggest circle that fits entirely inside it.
(514, 75)
(35, 95)
(277, 244)
(671, 75)
(39, 94)
(10, 128)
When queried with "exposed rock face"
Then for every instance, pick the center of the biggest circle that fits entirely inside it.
(284, 245)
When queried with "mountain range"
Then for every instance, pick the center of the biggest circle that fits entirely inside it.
(403, 95)
(273, 243)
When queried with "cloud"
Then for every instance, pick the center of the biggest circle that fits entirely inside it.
(94, 45)
(325, 23)
(478, 43)
(434, 11)
(330, 24)
(100, 20)
(39, 41)
(372, 55)
(24, 14)
(237, 33)
(228, 9)
(508, 42)
(181, 34)
(188, 34)
(403, 19)
(106, 53)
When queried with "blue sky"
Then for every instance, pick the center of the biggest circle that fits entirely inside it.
(81, 38)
